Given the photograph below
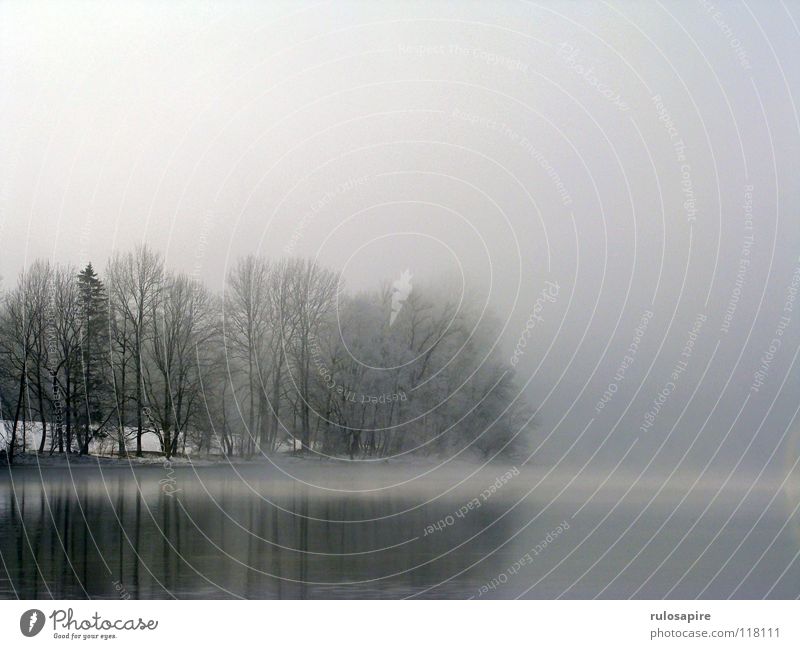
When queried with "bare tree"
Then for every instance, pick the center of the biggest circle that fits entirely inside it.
(313, 296)
(119, 358)
(18, 333)
(245, 324)
(281, 331)
(134, 281)
(282, 356)
(66, 324)
(182, 323)
(36, 286)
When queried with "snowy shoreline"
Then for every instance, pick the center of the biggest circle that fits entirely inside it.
(61, 460)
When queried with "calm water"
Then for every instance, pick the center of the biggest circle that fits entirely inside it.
(352, 531)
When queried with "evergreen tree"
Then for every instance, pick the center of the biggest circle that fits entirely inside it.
(94, 331)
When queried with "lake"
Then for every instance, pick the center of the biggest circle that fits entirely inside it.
(314, 529)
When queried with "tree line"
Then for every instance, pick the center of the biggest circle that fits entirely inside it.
(282, 360)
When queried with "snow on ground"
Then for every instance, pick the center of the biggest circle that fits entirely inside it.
(104, 446)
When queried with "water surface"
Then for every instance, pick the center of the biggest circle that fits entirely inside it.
(329, 530)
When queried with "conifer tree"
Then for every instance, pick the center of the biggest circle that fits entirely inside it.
(94, 325)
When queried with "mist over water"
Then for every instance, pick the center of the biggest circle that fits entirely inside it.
(301, 531)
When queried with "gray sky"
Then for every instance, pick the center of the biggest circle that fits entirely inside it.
(605, 147)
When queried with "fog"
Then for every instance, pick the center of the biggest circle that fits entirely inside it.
(641, 159)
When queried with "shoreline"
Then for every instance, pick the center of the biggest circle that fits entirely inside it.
(62, 460)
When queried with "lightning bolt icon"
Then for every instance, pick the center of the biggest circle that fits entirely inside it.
(32, 621)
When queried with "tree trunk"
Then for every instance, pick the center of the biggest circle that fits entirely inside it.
(251, 428)
(276, 397)
(87, 381)
(138, 400)
(305, 421)
(120, 399)
(24, 416)
(68, 408)
(58, 432)
(20, 397)
(42, 416)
